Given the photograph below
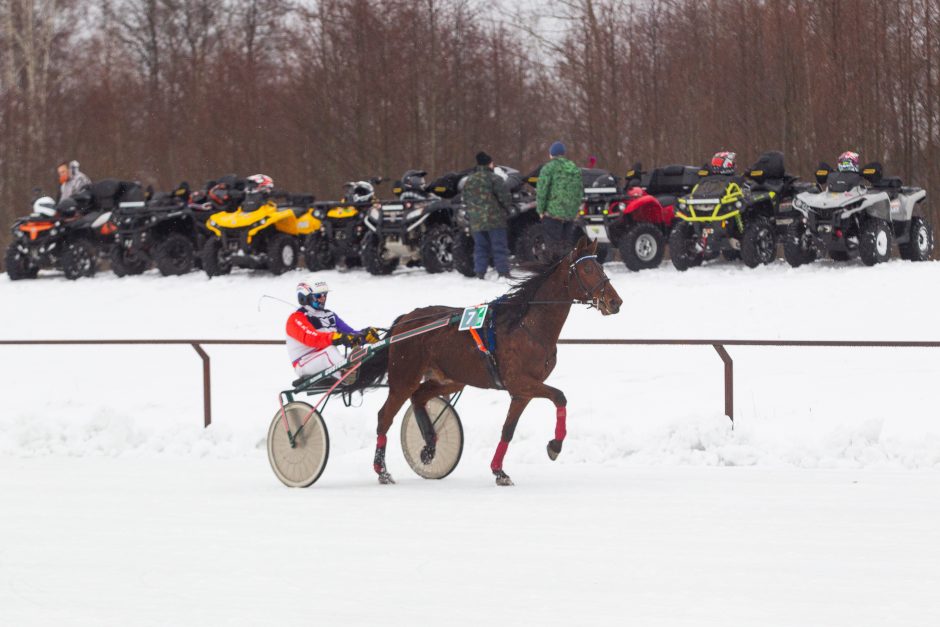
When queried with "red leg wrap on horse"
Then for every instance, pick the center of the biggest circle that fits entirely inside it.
(560, 415)
(497, 463)
(381, 441)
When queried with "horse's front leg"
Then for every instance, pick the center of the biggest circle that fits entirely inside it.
(537, 389)
(516, 407)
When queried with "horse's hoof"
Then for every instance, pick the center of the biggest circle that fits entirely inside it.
(553, 448)
(502, 478)
(386, 479)
(427, 455)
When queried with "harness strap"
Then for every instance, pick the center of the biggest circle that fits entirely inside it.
(490, 359)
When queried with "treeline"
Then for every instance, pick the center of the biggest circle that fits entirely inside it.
(317, 92)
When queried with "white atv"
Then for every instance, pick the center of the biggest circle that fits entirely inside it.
(858, 214)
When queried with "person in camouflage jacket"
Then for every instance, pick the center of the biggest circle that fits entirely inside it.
(487, 201)
(560, 191)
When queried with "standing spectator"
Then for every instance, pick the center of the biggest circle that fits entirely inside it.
(560, 192)
(71, 179)
(487, 201)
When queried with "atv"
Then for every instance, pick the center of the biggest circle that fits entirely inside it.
(260, 234)
(521, 216)
(637, 221)
(166, 229)
(342, 227)
(416, 227)
(734, 216)
(68, 236)
(859, 214)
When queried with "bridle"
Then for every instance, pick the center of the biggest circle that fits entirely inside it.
(602, 283)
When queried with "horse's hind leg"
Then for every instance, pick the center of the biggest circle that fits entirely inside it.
(516, 407)
(396, 398)
(419, 400)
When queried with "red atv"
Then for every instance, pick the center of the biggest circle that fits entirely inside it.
(637, 221)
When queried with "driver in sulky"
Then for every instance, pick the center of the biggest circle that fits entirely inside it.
(314, 332)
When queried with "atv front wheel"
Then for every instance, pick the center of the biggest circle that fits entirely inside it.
(175, 255)
(17, 264)
(758, 245)
(214, 262)
(317, 254)
(535, 247)
(282, 253)
(79, 259)
(437, 249)
(373, 256)
(920, 245)
(682, 247)
(463, 254)
(642, 247)
(125, 262)
(799, 247)
(874, 245)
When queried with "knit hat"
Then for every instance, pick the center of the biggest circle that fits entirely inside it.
(557, 149)
(483, 158)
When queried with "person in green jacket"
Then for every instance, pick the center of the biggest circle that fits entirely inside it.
(560, 190)
(488, 202)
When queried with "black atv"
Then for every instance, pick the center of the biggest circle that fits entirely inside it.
(342, 227)
(167, 230)
(735, 216)
(68, 236)
(521, 216)
(416, 227)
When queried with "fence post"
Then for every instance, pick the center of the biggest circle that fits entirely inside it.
(206, 386)
(729, 381)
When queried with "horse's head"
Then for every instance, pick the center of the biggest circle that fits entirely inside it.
(587, 282)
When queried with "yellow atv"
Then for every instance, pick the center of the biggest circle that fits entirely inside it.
(262, 233)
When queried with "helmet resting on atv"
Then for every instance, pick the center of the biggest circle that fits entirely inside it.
(848, 162)
(723, 163)
(359, 191)
(308, 292)
(260, 183)
(44, 206)
(413, 181)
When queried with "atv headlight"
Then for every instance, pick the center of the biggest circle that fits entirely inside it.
(212, 223)
(318, 214)
(799, 204)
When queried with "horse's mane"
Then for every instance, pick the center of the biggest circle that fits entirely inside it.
(514, 304)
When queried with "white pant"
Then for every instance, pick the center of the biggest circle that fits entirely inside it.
(317, 361)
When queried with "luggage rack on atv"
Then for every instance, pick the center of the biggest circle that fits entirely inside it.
(298, 442)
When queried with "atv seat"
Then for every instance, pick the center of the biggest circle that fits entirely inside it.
(672, 179)
(667, 200)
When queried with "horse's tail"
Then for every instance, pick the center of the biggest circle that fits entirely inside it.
(374, 370)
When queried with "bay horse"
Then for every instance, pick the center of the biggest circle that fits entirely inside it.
(528, 321)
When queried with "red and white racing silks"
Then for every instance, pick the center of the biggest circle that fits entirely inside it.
(303, 339)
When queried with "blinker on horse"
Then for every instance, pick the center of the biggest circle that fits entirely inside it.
(523, 340)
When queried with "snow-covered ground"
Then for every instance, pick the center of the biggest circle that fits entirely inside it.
(821, 507)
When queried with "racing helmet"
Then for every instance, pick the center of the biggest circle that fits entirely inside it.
(723, 163)
(308, 292)
(260, 183)
(359, 191)
(848, 162)
(413, 181)
(44, 206)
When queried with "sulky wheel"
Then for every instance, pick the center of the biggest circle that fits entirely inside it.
(298, 466)
(449, 445)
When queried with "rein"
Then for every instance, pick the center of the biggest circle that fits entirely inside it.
(593, 303)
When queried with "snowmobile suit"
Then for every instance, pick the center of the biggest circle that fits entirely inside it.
(310, 340)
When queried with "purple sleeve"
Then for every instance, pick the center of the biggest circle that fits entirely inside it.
(342, 327)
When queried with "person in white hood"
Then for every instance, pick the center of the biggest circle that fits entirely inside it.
(71, 179)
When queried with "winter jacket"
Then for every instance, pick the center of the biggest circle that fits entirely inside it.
(560, 189)
(487, 200)
(77, 182)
